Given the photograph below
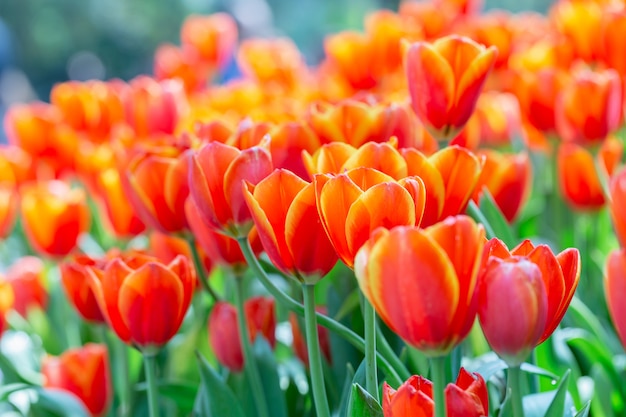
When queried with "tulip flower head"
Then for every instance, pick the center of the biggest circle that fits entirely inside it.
(614, 289)
(402, 270)
(26, 276)
(84, 372)
(445, 80)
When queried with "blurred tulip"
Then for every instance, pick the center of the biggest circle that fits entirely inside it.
(7, 298)
(402, 270)
(589, 108)
(299, 339)
(212, 37)
(617, 205)
(353, 204)
(66, 213)
(158, 188)
(560, 275)
(215, 178)
(271, 62)
(580, 22)
(122, 218)
(433, 19)
(8, 208)
(467, 397)
(75, 280)
(350, 54)
(614, 290)
(579, 178)
(613, 36)
(513, 307)
(84, 372)
(285, 213)
(172, 62)
(450, 177)
(224, 329)
(144, 300)
(445, 79)
(508, 178)
(26, 276)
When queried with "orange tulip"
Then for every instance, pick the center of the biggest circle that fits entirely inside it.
(327, 159)
(8, 208)
(589, 108)
(450, 176)
(26, 277)
(613, 37)
(560, 275)
(299, 339)
(285, 214)
(353, 204)
(224, 329)
(271, 62)
(144, 300)
(75, 280)
(445, 79)
(402, 270)
(508, 179)
(513, 307)
(122, 218)
(467, 397)
(84, 372)
(581, 23)
(7, 297)
(434, 20)
(350, 57)
(66, 213)
(578, 176)
(614, 290)
(212, 37)
(170, 61)
(617, 205)
(216, 175)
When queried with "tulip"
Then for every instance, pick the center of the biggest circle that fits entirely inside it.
(508, 179)
(212, 37)
(171, 61)
(215, 179)
(467, 397)
(143, 300)
(26, 277)
(84, 372)
(560, 274)
(8, 208)
(445, 79)
(617, 205)
(353, 204)
(580, 23)
(512, 307)
(123, 219)
(615, 288)
(271, 62)
(613, 36)
(590, 107)
(224, 329)
(65, 211)
(328, 159)
(299, 340)
(7, 298)
(285, 214)
(75, 280)
(402, 270)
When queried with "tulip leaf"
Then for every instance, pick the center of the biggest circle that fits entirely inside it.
(346, 391)
(349, 304)
(266, 362)
(556, 403)
(219, 398)
(496, 219)
(181, 393)
(8, 389)
(601, 403)
(506, 408)
(536, 370)
(58, 403)
(584, 412)
(362, 404)
(490, 368)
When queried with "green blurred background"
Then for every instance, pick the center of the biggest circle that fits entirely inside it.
(43, 42)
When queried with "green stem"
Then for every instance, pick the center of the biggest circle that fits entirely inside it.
(438, 368)
(513, 384)
(371, 371)
(125, 390)
(199, 267)
(153, 397)
(315, 358)
(250, 367)
(323, 320)
(383, 346)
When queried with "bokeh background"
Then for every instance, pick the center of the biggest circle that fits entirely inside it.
(43, 42)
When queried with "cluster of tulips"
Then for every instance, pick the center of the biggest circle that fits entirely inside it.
(331, 239)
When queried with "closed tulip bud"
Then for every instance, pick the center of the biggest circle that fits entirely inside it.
(84, 372)
(445, 79)
(75, 280)
(467, 397)
(224, 329)
(512, 308)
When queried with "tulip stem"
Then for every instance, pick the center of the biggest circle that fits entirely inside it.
(352, 338)
(250, 367)
(513, 385)
(438, 375)
(199, 267)
(153, 398)
(371, 371)
(315, 358)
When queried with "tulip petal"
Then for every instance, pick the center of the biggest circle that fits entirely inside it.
(380, 156)
(107, 290)
(417, 190)
(366, 178)
(328, 159)
(614, 289)
(419, 165)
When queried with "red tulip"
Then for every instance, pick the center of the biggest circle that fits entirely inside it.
(614, 289)
(445, 79)
(75, 280)
(84, 372)
(26, 277)
(617, 205)
(468, 397)
(402, 270)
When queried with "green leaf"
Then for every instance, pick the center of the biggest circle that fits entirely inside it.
(349, 304)
(496, 219)
(555, 403)
(506, 408)
(345, 392)
(58, 403)
(557, 407)
(9, 389)
(219, 400)
(269, 378)
(584, 412)
(181, 393)
(601, 404)
(490, 368)
(536, 370)
(362, 404)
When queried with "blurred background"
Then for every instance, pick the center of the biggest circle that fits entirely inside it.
(43, 42)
